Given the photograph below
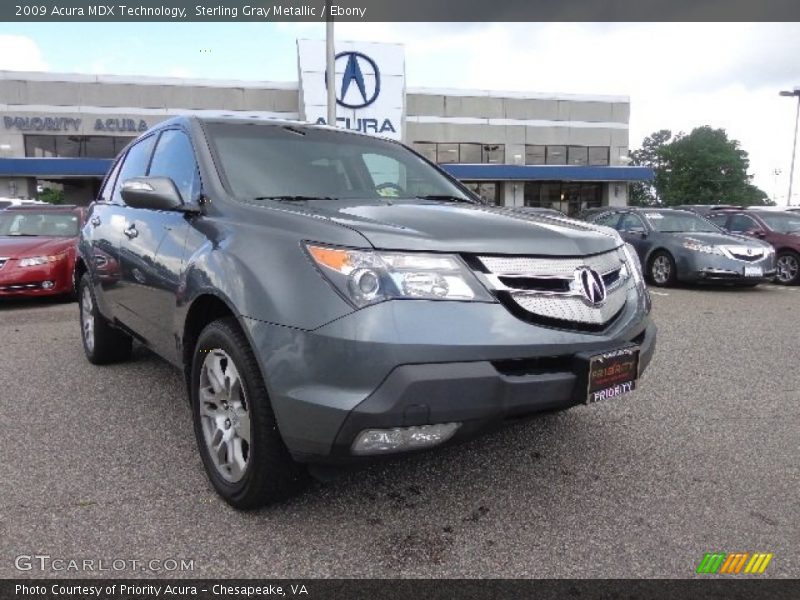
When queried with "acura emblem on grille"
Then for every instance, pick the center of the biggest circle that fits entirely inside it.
(591, 285)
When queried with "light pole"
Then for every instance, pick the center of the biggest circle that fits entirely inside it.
(330, 66)
(794, 94)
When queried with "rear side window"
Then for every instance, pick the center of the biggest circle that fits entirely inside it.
(631, 222)
(174, 158)
(609, 220)
(134, 165)
(742, 223)
(718, 220)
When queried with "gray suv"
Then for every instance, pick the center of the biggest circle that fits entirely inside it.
(332, 297)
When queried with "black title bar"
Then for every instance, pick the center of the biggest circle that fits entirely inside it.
(400, 10)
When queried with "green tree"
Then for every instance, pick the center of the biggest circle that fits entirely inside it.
(52, 196)
(702, 167)
(643, 193)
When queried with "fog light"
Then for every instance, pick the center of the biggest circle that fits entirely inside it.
(47, 285)
(399, 439)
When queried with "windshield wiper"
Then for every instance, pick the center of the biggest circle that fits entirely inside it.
(294, 198)
(446, 198)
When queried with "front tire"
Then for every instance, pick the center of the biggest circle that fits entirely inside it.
(661, 270)
(787, 264)
(102, 343)
(237, 434)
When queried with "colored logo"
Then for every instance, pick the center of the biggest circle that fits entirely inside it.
(591, 285)
(361, 80)
(733, 564)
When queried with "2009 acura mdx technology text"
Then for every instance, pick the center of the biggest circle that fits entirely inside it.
(332, 296)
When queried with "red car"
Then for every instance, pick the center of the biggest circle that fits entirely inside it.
(779, 228)
(37, 250)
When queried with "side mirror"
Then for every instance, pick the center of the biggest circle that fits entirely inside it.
(154, 193)
(759, 233)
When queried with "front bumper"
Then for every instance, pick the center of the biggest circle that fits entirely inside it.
(698, 267)
(44, 280)
(404, 363)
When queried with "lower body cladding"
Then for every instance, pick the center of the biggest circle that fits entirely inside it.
(699, 267)
(44, 280)
(413, 373)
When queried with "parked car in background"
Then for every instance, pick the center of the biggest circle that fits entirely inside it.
(318, 319)
(12, 202)
(779, 228)
(37, 250)
(703, 209)
(680, 245)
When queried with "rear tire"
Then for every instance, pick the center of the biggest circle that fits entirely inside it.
(102, 343)
(788, 267)
(661, 270)
(237, 434)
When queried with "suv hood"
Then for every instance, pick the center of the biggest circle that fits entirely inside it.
(25, 246)
(458, 227)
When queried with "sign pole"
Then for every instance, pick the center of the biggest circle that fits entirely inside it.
(330, 66)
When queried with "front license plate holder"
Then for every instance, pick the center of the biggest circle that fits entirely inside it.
(753, 271)
(607, 375)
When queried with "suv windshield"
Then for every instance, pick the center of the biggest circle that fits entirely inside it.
(300, 163)
(781, 222)
(674, 221)
(56, 224)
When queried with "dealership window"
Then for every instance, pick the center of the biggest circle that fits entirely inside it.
(426, 149)
(464, 153)
(556, 155)
(494, 153)
(488, 190)
(568, 197)
(535, 155)
(599, 156)
(75, 146)
(577, 155)
(447, 153)
(469, 153)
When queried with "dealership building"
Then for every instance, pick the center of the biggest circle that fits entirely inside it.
(563, 151)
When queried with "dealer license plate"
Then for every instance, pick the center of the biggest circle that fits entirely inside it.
(753, 271)
(612, 374)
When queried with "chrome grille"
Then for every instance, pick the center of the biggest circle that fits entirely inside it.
(747, 253)
(547, 287)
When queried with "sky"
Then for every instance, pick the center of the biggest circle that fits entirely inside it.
(678, 75)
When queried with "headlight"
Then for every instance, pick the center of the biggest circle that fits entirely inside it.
(35, 261)
(697, 246)
(633, 263)
(366, 277)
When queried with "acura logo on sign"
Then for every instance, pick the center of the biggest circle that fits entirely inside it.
(361, 80)
(591, 285)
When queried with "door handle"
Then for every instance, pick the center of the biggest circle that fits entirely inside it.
(131, 231)
(95, 221)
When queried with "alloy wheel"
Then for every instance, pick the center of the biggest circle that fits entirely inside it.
(787, 268)
(87, 318)
(224, 415)
(661, 269)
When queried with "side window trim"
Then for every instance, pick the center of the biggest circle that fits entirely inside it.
(106, 195)
(197, 174)
(125, 158)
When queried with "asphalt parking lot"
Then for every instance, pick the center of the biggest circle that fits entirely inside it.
(100, 463)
